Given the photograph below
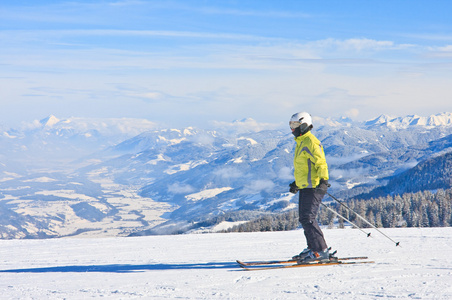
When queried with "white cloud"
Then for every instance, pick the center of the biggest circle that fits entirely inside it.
(228, 173)
(253, 13)
(364, 44)
(148, 95)
(352, 113)
(203, 139)
(286, 173)
(260, 185)
(440, 52)
(180, 188)
(447, 48)
(245, 125)
(351, 44)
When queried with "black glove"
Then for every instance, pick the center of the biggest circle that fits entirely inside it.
(293, 188)
(323, 185)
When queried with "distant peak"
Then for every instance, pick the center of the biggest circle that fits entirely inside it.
(49, 121)
(382, 119)
(245, 120)
(442, 119)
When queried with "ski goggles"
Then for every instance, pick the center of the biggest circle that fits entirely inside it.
(294, 124)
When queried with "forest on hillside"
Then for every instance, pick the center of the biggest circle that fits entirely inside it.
(421, 209)
(433, 173)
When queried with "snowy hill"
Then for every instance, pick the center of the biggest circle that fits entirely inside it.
(116, 177)
(203, 267)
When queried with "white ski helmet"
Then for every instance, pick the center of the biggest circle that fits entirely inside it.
(301, 120)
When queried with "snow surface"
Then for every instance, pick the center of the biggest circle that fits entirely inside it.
(202, 266)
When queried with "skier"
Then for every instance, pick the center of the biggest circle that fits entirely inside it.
(311, 180)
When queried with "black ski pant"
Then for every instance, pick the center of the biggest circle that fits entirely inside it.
(309, 203)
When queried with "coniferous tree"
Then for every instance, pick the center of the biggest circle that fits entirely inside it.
(421, 209)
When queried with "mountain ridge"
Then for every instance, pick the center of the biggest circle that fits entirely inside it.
(168, 179)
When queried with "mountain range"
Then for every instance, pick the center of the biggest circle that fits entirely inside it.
(118, 177)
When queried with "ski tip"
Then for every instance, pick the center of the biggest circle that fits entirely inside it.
(241, 263)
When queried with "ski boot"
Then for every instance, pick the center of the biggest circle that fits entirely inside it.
(302, 255)
(315, 257)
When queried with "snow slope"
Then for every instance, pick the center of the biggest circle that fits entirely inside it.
(202, 267)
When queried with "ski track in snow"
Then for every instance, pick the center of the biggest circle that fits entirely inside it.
(202, 266)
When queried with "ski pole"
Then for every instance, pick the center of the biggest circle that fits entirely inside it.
(367, 222)
(345, 219)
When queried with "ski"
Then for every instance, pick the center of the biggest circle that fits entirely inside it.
(315, 264)
(290, 261)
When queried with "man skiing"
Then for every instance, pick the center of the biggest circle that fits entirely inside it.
(311, 180)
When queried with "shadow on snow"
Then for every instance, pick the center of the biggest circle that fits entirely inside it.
(127, 268)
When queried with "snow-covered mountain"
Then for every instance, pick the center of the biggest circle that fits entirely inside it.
(88, 127)
(51, 140)
(431, 174)
(129, 177)
(442, 119)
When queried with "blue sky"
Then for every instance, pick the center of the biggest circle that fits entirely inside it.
(185, 63)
